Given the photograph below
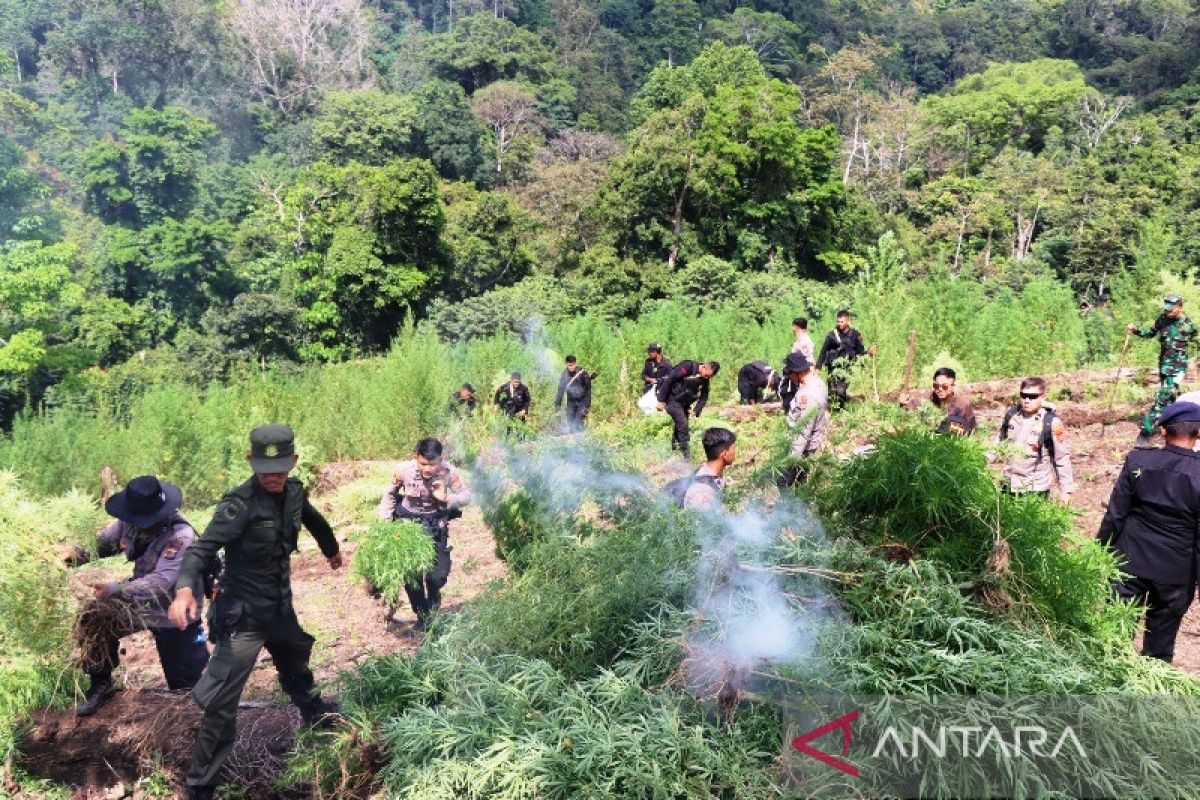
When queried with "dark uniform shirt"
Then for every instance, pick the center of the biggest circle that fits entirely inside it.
(259, 532)
(512, 401)
(1153, 513)
(683, 385)
(840, 346)
(653, 374)
(157, 556)
(575, 386)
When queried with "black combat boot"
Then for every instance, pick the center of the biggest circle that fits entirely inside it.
(201, 793)
(320, 713)
(1143, 441)
(99, 692)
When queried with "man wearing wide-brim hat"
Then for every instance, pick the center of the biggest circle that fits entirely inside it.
(258, 526)
(1151, 522)
(149, 530)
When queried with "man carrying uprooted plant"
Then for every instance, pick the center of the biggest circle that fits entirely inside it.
(1152, 521)
(1175, 333)
(258, 526)
(1040, 437)
(152, 534)
(431, 492)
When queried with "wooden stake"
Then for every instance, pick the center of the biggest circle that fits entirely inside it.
(908, 364)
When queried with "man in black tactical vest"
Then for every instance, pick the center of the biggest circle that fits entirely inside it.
(258, 525)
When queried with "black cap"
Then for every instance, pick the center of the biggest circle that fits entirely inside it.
(654, 347)
(796, 362)
(272, 448)
(145, 501)
(1180, 411)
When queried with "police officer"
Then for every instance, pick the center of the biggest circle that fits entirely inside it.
(574, 385)
(1151, 522)
(463, 401)
(802, 341)
(513, 398)
(258, 525)
(1175, 332)
(686, 384)
(431, 492)
(149, 530)
(656, 368)
(753, 379)
(841, 348)
(1041, 440)
(807, 413)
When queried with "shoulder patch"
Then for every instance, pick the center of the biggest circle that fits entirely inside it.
(1057, 428)
(229, 509)
(173, 547)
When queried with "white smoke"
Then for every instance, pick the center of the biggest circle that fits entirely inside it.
(746, 624)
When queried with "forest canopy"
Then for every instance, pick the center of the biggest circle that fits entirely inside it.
(211, 184)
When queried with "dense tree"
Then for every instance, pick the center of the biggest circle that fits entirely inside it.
(149, 172)
(370, 127)
(366, 248)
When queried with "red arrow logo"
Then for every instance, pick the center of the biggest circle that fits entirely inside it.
(843, 722)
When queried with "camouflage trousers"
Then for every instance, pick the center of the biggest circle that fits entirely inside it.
(1169, 388)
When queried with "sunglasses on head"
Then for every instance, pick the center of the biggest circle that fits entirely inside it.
(1030, 395)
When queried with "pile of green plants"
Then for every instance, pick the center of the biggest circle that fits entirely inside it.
(920, 495)
(36, 608)
(393, 554)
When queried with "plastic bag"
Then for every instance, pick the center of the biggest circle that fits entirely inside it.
(648, 402)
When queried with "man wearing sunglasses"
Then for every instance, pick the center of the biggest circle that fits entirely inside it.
(1042, 455)
(1175, 333)
(958, 412)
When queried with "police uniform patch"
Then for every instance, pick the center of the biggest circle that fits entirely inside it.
(229, 509)
(173, 547)
(1058, 429)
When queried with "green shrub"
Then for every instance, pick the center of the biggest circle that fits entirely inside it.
(393, 554)
(36, 608)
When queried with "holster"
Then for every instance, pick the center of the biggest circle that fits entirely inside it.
(224, 615)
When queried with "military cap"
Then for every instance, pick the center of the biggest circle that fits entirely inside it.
(1172, 300)
(272, 448)
(1180, 411)
(654, 347)
(796, 362)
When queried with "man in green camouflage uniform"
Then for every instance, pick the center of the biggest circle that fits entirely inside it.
(258, 525)
(1175, 332)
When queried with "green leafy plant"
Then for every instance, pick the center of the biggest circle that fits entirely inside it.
(393, 554)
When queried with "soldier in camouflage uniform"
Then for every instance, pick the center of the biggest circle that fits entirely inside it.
(1175, 332)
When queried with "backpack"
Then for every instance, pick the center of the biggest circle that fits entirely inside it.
(1046, 442)
(677, 489)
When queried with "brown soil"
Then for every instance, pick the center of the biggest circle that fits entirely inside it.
(144, 721)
